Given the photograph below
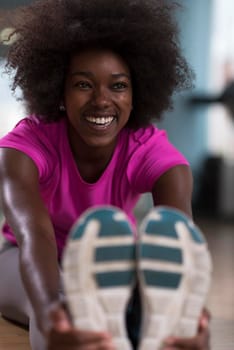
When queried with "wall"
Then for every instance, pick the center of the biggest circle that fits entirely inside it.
(186, 126)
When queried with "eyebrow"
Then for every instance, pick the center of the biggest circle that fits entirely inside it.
(90, 74)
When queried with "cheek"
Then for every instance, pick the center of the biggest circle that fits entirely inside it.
(74, 102)
(73, 106)
(127, 102)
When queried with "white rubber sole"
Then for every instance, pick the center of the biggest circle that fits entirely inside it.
(174, 270)
(99, 271)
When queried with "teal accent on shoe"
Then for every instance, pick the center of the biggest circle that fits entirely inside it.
(165, 226)
(157, 252)
(113, 253)
(196, 235)
(162, 279)
(115, 278)
(109, 226)
(159, 228)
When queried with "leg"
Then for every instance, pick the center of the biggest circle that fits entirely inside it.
(14, 303)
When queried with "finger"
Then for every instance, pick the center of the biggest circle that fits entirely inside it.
(105, 345)
(183, 343)
(170, 347)
(59, 318)
(199, 342)
(79, 337)
(203, 325)
(71, 339)
(92, 337)
(207, 313)
(204, 320)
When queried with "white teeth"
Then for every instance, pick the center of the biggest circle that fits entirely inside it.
(100, 120)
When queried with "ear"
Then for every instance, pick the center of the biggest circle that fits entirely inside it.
(62, 107)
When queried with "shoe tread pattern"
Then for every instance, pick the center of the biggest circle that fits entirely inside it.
(174, 287)
(99, 271)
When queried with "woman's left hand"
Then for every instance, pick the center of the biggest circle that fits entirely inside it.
(200, 342)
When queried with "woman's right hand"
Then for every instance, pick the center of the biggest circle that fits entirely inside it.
(63, 336)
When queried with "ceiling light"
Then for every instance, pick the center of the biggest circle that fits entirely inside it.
(7, 36)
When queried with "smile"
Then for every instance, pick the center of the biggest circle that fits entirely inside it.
(102, 121)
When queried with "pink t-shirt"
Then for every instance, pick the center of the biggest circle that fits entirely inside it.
(139, 159)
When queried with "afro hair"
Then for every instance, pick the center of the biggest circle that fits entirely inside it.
(143, 32)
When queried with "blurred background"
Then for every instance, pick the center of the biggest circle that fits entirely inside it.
(201, 126)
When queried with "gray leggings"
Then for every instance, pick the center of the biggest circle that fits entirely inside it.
(14, 303)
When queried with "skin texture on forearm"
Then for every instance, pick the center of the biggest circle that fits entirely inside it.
(174, 189)
(40, 275)
(30, 222)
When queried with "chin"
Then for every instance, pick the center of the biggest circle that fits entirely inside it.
(100, 143)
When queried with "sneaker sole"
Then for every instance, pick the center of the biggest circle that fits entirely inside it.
(174, 273)
(99, 272)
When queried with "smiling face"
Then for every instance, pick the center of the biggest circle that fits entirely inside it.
(98, 97)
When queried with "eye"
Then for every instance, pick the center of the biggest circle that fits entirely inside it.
(120, 85)
(83, 85)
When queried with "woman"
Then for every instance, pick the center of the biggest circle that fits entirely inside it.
(93, 76)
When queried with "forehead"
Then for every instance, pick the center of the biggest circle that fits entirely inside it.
(98, 59)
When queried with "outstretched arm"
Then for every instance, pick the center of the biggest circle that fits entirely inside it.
(174, 188)
(27, 215)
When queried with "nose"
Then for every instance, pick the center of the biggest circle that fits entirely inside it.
(101, 97)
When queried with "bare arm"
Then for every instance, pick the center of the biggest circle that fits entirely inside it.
(29, 219)
(174, 188)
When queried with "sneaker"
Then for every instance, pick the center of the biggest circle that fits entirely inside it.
(174, 267)
(99, 272)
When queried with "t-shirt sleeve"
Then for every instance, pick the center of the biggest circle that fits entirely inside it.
(28, 137)
(151, 159)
